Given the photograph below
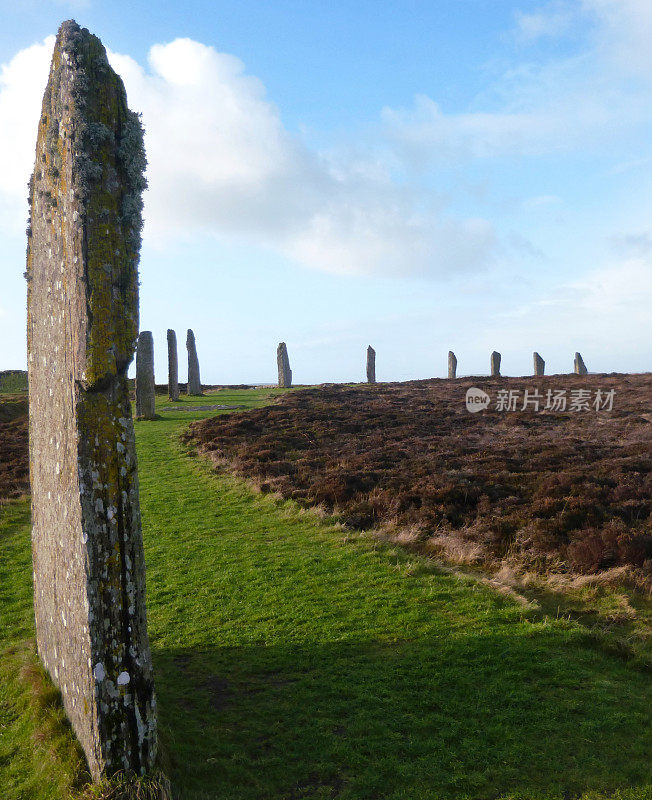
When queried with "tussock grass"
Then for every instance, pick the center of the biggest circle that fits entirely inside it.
(127, 787)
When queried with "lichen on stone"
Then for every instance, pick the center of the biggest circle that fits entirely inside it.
(85, 217)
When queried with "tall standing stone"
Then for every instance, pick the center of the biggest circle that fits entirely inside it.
(495, 364)
(371, 365)
(452, 365)
(82, 323)
(579, 365)
(539, 364)
(194, 382)
(283, 362)
(145, 384)
(173, 366)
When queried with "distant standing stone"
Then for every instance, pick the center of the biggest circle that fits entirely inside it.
(283, 363)
(371, 365)
(495, 363)
(194, 382)
(539, 364)
(145, 386)
(580, 366)
(82, 324)
(173, 366)
(452, 365)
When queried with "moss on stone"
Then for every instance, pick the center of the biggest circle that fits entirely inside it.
(82, 270)
(105, 143)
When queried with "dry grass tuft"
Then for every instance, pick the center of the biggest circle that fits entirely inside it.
(124, 786)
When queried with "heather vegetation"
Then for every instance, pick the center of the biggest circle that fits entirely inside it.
(14, 456)
(563, 491)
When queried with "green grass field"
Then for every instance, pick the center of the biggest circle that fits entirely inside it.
(294, 659)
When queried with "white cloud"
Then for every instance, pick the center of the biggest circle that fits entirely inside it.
(619, 30)
(584, 100)
(623, 33)
(602, 310)
(542, 200)
(563, 107)
(633, 245)
(553, 20)
(221, 162)
(22, 82)
(425, 132)
(623, 289)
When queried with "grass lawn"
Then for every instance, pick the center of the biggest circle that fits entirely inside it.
(294, 660)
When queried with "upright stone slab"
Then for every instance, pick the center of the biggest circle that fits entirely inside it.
(283, 362)
(452, 365)
(82, 324)
(194, 382)
(579, 365)
(173, 366)
(495, 364)
(539, 364)
(145, 385)
(371, 365)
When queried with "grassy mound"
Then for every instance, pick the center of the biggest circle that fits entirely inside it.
(564, 490)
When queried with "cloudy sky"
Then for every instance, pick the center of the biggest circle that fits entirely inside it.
(466, 174)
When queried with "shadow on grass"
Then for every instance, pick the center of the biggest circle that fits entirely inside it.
(464, 717)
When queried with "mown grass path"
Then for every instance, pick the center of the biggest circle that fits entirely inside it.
(294, 660)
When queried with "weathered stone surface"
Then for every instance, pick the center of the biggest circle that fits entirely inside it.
(539, 364)
(371, 365)
(194, 382)
(283, 362)
(579, 365)
(145, 385)
(82, 324)
(173, 366)
(495, 363)
(452, 364)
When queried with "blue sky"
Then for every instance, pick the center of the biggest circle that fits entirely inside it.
(467, 174)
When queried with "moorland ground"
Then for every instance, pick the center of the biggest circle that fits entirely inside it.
(543, 488)
(296, 658)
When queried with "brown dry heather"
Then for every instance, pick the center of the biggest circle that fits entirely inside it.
(82, 273)
(555, 490)
(14, 455)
